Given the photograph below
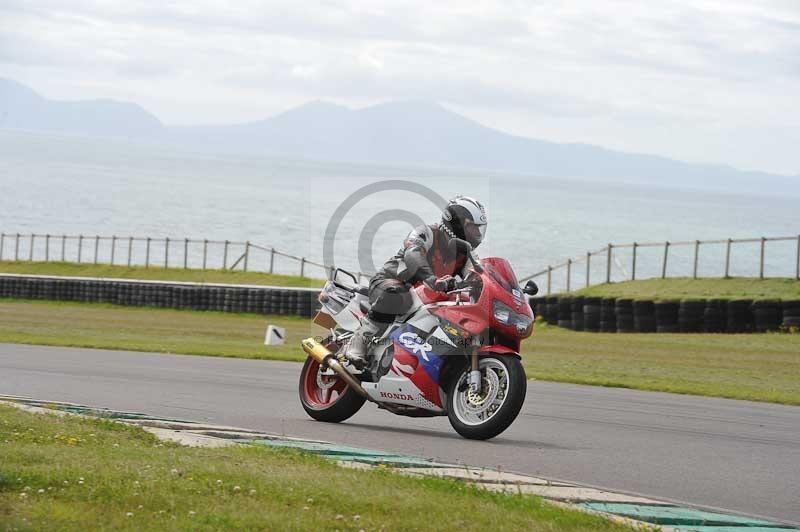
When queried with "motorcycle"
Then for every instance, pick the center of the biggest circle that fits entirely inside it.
(453, 354)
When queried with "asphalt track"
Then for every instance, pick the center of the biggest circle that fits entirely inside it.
(734, 455)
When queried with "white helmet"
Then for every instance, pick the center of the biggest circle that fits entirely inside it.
(465, 217)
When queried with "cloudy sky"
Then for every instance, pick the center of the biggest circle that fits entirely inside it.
(702, 80)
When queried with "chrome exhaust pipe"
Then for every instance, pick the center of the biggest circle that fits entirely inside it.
(321, 354)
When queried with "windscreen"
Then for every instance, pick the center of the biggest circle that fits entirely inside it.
(501, 271)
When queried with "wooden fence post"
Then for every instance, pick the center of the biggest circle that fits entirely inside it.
(96, 247)
(696, 255)
(130, 250)
(761, 259)
(246, 253)
(147, 254)
(63, 248)
(633, 261)
(225, 256)
(728, 259)
(185, 253)
(166, 252)
(569, 273)
(797, 273)
(664, 266)
(113, 248)
(47, 248)
(80, 247)
(588, 267)
(549, 279)
(30, 251)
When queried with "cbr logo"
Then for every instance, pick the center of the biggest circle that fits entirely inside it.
(415, 344)
(399, 396)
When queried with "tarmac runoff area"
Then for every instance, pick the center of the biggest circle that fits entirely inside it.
(727, 456)
(640, 512)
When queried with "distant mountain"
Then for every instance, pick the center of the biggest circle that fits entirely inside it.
(411, 133)
(22, 108)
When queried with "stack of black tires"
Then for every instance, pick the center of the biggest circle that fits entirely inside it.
(595, 314)
(267, 300)
(624, 311)
(791, 315)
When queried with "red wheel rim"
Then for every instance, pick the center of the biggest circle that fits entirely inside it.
(321, 397)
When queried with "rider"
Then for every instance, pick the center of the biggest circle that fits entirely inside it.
(425, 258)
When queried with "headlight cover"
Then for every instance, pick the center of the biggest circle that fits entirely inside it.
(505, 315)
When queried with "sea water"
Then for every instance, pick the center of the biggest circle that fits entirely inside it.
(68, 185)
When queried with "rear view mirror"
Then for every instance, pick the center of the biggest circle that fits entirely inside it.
(531, 288)
(342, 278)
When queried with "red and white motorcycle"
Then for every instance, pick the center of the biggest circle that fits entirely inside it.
(453, 354)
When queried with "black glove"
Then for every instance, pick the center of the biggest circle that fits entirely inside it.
(442, 284)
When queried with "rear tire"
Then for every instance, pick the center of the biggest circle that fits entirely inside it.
(508, 378)
(339, 403)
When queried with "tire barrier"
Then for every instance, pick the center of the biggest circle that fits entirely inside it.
(666, 313)
(592, 313)
(608, 315)
(624, 311)
(551, 310)
(625, 315)
(791, 314)
(644, 316)
(714, 316)
(739, 316)
(538, 306)
(232, 298)
(576, 311)
(690, 315)
(767, 315)
(565, 312)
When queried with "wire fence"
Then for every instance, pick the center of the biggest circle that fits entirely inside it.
(742, 257)
(158, 252)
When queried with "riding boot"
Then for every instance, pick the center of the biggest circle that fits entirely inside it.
(358, 348)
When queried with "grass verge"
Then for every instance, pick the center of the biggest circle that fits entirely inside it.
(685, 287)
(67, 473)
(71, 269)
(757, 367)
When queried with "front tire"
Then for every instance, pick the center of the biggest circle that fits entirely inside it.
(487, 414)
(326, 398)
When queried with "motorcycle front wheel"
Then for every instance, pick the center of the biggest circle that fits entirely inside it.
(326, 397)
(484, 415)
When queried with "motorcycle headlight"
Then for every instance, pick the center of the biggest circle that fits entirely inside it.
(502, 312)
(505, 315)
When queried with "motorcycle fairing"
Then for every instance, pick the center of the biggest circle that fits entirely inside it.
(413, 377)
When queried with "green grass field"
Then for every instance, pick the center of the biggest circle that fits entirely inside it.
(759, 367)
(67, 473)
(72, 269)
(680, 288)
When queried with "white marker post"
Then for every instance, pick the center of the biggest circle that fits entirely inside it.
(275, 335)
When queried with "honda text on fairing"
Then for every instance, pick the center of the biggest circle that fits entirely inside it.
(454, 354)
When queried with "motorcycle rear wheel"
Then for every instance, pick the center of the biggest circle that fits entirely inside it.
(326, 398)
(485, 415)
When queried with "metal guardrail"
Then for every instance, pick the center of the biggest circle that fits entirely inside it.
(148, 251)
(607, 256)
